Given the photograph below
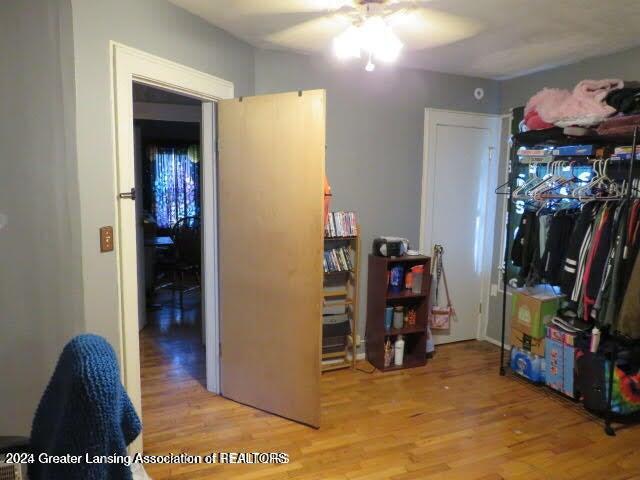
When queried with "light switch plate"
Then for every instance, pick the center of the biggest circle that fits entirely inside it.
(106, 239)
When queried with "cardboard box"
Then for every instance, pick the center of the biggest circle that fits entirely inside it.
(526, 342)
(554, 360)
(559, 335)
(533, 309)
(560, 358)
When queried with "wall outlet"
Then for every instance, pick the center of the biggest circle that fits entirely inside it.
(494, 289)
(106, 239)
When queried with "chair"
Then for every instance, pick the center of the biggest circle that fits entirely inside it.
(84, 410)
(188, 251)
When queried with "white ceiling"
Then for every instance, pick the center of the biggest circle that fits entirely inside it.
(486, 38)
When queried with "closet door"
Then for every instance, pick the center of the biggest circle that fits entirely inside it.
(271, 170)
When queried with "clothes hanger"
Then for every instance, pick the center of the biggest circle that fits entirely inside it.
(533, 177)
(602, 187)
(562, 181)
(497, 190)
(535, 182)
(581, 191)
(614, 190)
(552, 181)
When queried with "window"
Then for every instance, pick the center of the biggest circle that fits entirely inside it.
(175, 183)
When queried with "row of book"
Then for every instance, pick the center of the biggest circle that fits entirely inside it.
(335, 329)
(341, 224)
(569, 152)
(337, 260)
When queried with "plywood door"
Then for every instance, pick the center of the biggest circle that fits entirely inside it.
(271, 170)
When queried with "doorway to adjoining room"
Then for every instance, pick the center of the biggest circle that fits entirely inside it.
(167, 144)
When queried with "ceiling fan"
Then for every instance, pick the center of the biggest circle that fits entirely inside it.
(377, 30)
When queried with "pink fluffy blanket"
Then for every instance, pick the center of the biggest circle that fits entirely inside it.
(584, 107)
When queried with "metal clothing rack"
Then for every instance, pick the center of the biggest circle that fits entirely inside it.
(510, 186)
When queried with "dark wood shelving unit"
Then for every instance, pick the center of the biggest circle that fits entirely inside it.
(391, 296)
(379, 297)
(405, 330)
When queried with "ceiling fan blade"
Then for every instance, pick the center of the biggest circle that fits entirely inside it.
(420, 28)
(220, 8)
(312, 35)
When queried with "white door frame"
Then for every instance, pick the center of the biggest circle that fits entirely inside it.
(129, 65)
(432, 118)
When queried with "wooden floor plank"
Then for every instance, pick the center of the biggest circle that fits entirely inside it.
(454, 418)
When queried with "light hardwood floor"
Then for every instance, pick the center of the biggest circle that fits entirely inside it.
(456, 418)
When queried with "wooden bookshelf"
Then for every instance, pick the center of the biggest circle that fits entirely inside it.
(344, 291)
(379, 297)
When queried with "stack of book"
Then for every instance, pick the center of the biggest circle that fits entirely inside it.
(337, 260)
(535, 155)
(341, 224)
(335, 329)
(624, 153)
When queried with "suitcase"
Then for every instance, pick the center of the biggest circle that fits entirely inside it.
(593, 382)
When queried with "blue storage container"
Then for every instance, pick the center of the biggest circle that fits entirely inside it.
(527, 365)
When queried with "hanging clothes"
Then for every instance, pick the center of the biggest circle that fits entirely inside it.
(526, 246)
(596, 260)
(576, 254)
(558, 236)
(628, 320)
(605, 304)
(632, 244)
(628, 323)
(544, 222)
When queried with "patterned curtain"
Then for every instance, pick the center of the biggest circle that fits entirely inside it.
(175, 183)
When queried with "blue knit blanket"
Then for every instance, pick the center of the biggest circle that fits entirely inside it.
(84, 410)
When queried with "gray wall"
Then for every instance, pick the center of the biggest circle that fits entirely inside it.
(40, 262)
(159, 28)
(624, 65)
(374, 134)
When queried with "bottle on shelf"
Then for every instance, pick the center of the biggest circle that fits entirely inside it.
(397, 278)
(408, 279)
(388, 351)
(410, 317)
(398, 349)
(416, 278)
(595, 340)
(388, 318)
(398, 317)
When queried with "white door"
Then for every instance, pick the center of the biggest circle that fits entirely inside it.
(458, 209)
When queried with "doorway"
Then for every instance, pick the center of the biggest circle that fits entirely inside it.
(269, 159)
(131, 65)
(460, 170)
(167, 153)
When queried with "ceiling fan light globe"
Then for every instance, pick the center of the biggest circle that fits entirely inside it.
(347, 44)
(377, 38)
(388, 48)
(371, 31)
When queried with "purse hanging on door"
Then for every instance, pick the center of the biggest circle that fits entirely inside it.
(440, 316)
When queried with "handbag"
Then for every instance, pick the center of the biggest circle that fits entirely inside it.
(440, 316)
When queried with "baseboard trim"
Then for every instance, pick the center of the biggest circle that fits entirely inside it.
(359, 356)
(496, 342)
